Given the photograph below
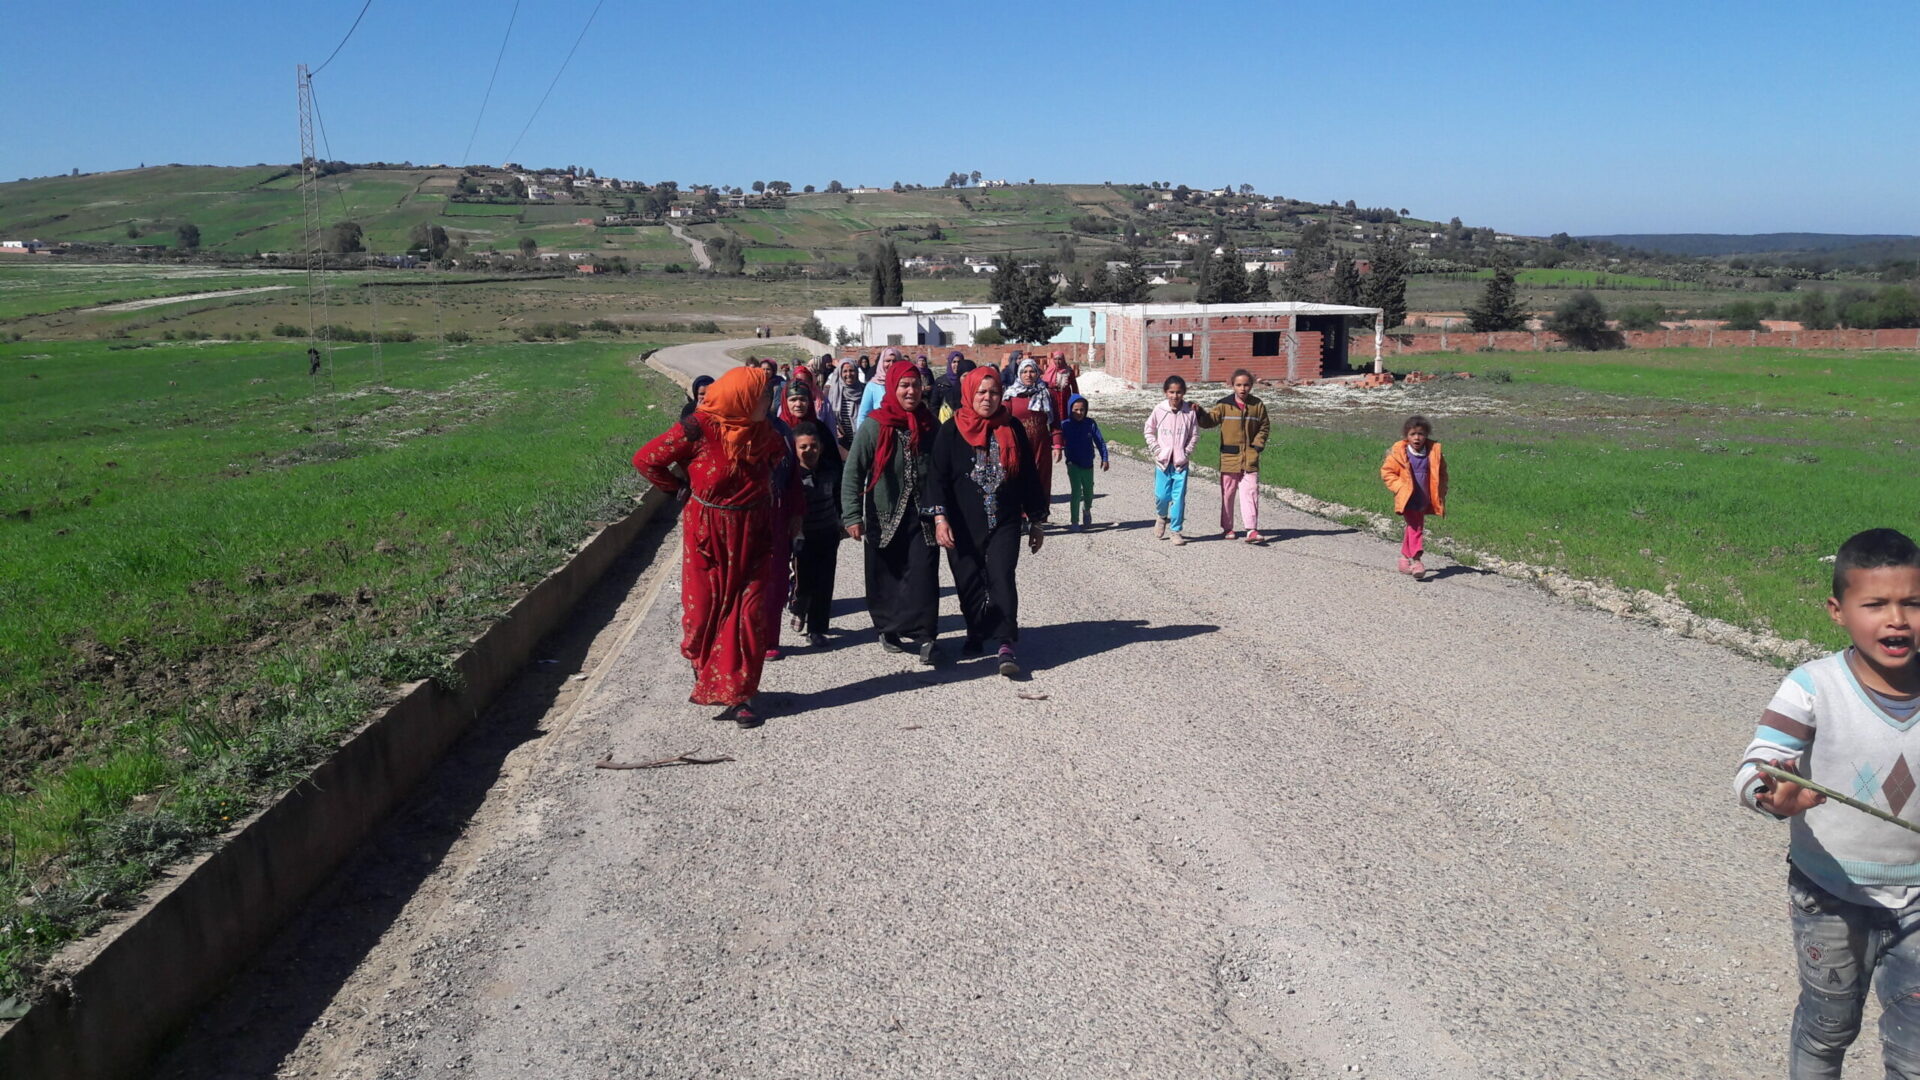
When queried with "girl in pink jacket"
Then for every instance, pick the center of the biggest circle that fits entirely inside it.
(1172, 429)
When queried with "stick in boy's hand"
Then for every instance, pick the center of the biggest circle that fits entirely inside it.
(1783, 792)
(1801, 788)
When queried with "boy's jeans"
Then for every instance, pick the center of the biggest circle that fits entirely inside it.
(1079, 493)
(1170, 495)
(1840, 947)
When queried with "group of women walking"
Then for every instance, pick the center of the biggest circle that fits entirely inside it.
(908, 463)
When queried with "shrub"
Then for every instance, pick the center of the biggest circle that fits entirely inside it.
(989, 335)
(1582, 321)
(1497, 375)
(707, 326)
(458, 337)
(287, 330)
(604, 326)
(1641, 316)
(674, 268)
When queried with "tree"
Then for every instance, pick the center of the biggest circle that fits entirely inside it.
(1816, 312)
(1499, 308)
(876, 280)
(1065, 251)
(1131, 284)
(834, 187)
(974, 176)
(1259, 285)
(517, 188)
(843, 337)
(1581, 320)
(779, 187)
(133, 231)
(346, 237)
(898, 187)
(815, 329)
(759, 186)
(728, 254)
(808, 189)
(1385, 286)
(529, 247)
(890, 273)
(1028, 295)
(1344, 286)
(187, 236)
(1224, 281)
(1099, 288)
(626, 204)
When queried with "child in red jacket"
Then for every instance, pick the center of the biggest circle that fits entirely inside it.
(1417, 475)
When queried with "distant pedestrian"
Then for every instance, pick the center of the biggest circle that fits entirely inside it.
(985, 497)
(881, 492)
(1417, 475)
(865, 365)
(1031, 406)
(1061, 380)
(313, 362)
(1081, 438)
(819, 555)
(1173, 429)
(728, 450)
(1010, 371)
(1242, 420)
(946, 389)
(696, 392)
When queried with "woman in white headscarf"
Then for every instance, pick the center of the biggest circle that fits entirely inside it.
(1031, 405)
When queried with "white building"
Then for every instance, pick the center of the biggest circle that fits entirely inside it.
(930, 323)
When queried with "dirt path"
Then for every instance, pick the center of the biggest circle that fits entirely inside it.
(1259, 812)
(699, 250)
(685, 362)
(159, 301)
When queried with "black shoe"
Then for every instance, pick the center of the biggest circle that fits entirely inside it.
(926, 652)
(1009, 666)
(891, 643)
(816, 641)
(746, 717)
(971, 647)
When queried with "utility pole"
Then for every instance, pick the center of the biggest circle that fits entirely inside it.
(316, 260)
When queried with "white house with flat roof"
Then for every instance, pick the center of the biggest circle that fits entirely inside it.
(913, 323)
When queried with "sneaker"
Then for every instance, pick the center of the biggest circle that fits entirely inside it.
(746, 717)
(1160, 529)
(972, 647)
(1416, 568)
(1178, 539)
(1406, 565)
(774, 653)
(1009, 666)
(816, 641)
(1254, 537)
(891, 643)
(926, 652)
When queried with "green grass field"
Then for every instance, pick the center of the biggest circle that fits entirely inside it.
(228, 566)
(1719, 476)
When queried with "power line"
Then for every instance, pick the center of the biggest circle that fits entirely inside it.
(343, 41)
(556, 79)
(339, 189)
(464, 159)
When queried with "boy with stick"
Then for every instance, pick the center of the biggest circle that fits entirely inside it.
(1852, 721)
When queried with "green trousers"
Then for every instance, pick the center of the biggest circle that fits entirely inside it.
(1080, 488)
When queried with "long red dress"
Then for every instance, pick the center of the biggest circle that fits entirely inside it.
(727, 534)
(1043, 435)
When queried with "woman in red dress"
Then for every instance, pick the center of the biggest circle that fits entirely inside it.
(1030, 402)
(728, 449)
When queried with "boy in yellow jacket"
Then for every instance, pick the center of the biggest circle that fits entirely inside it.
(1417, 475)
(1242, 420)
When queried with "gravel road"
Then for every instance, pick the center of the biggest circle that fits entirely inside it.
(1259, 812)
(710, 357)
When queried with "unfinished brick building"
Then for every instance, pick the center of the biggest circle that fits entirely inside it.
(1295, 342)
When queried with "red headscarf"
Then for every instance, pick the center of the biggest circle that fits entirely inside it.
(975, 428)
(729, 404)
(892, 417)
(801, 377)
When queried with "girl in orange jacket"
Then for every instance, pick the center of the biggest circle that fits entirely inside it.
(1417, 475)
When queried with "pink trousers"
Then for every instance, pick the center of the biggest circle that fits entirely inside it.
(1247, 487)
(1414, 541)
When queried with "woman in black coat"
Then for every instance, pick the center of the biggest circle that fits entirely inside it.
(985, 496)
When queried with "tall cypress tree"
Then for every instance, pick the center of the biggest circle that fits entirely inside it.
(1259, 285)
(1386, 282)
(876, 279)
(1344, 288)
(1499, 307)
(890, 268)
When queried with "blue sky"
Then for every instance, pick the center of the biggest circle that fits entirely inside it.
(1532, 117)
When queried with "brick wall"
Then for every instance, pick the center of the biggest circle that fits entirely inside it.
(1079, 355)
(1361, 347)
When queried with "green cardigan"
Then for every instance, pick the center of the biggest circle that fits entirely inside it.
(880, 511)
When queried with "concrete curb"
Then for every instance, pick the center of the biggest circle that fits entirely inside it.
(123, 991)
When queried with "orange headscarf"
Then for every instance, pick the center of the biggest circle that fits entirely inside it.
(976, 428)
(730, 404)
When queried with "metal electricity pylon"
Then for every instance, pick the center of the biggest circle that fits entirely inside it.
(316, 259)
